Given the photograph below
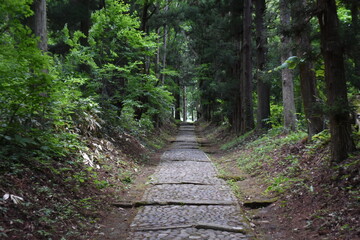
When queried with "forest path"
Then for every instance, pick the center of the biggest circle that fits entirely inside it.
(186, 200)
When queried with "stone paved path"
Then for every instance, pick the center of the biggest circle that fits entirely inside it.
(188, 200)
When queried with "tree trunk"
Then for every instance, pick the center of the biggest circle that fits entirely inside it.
(237, 114)
(236, 72)
(184, 104)
(307, 75)
(157, 63)
(332, 50)
(144, 28)
(85, 21)
(310, 99)
(38, 23)
(247, 116)
(144, 16)
(177, 106)
(164, 53)
(164, 45)
(177, 101)
(286, 74)
(263, 88)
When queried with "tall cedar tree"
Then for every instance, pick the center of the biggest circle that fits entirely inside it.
(177, 100)
(287, 74)
(184, 102)
(337, 101)
(309, 93)
(37, 23)
(145, 28)
(263, 87)
(165, 40)
(236, 13)
(247, 116)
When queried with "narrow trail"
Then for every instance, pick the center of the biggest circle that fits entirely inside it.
(186, 200)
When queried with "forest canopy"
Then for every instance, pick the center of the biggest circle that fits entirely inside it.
(73, 67)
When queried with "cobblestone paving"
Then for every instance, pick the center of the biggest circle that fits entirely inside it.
(192, 202)
(188, 233)
(186, 172)
(165, 216)
(180, 154)
(194, 192)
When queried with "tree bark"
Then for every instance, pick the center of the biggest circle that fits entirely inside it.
(184, 104)
(177, 101)
(164, 45)
(337, 101)
(263, 87)
(247, 116)
(286, 74)
(157, 61)
(307, 75)
(144, 16)
(38, 23)
(164, 53)
(236, 72)
(144, 28)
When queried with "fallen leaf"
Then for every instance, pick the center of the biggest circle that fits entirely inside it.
(6, 196)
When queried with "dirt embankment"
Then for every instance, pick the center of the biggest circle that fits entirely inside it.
(291, 190)
(73, 197)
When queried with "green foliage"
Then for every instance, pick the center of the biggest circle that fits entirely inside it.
(319, 140)
(38, 100)
(281, 183)
(114, 58)
(259, 151)
(276, 115)
(237, 141)
(235, 188)
(47, 100)
(25, 86)
(270, 152)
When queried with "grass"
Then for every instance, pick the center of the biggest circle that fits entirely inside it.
(281, 183)
(298, 173)
(235, 188)
(236, 141)
(257, 154)
(260, 151)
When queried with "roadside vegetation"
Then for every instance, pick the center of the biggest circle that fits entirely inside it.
(289, 187)
(65, 196)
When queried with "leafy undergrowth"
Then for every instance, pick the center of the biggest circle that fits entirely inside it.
(316, 199)
(64, 197)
